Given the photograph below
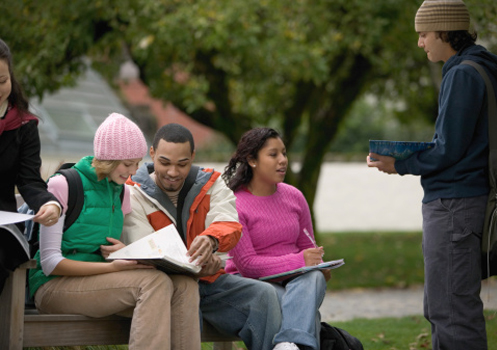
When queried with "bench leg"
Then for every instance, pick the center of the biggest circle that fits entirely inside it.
(12, 310)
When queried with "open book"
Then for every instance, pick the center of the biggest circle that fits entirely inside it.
(15, 238)
(285, 275)
(398, 149)
(163, 249)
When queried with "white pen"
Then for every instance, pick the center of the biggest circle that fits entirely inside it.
(310, 237)
(312, 240)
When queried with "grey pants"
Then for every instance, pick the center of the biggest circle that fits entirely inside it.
(451, 249)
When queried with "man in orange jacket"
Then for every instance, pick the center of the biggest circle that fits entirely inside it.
(170, 190)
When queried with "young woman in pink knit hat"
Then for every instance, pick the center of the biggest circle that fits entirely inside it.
(73, 276)
(277, 235)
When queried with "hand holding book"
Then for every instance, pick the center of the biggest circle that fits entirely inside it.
(398, 149)
(163, 248)
(288, 274)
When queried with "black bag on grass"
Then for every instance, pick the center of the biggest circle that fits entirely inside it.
(333, 338)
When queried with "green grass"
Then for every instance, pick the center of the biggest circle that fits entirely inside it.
(411, 333)
(374, 260)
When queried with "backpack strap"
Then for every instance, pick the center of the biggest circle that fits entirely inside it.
(492, 104)
(75, 198)
(189, 181)
(488, 234)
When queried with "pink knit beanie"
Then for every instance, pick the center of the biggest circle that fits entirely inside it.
(118, 138)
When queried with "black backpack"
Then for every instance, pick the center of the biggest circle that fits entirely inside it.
(333, 338)
(75, 203)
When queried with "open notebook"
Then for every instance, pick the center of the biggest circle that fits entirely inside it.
(163, 249)
(288, 274)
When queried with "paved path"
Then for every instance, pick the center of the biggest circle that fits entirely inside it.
(367, 303)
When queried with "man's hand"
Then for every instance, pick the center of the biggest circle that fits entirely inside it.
(384, 163)
(211, 267)
(105, 250)
(201, 249)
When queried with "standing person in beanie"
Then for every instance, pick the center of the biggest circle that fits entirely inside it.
(72, 276)
(454, 176)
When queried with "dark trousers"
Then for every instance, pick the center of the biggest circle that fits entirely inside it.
(451, 249)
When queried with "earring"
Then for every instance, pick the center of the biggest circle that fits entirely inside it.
(253, 165)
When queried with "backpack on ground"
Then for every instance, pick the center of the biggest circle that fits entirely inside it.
(333, 338)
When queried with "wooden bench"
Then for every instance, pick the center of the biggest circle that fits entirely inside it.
(21, 327)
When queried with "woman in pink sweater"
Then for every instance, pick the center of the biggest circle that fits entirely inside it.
(277, 235)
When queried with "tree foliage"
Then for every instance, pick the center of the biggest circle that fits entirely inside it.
(298, 65)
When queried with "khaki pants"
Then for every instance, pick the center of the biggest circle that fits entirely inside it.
(164, 308)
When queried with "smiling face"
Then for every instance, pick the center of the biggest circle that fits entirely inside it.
(270, 166)
(125, 169)
(5, 83)
(436, 49)
(172, 163)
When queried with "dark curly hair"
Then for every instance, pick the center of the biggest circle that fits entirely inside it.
(16, 97)
(458, 39)
(238, 172)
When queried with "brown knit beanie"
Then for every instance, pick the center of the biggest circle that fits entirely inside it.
(441, 16)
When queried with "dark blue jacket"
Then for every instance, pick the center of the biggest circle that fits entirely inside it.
(457, 166)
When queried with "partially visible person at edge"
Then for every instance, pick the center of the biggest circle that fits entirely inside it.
(454, 176)
(233, 305)
(21, 162)
(72, 276)
(277, 235)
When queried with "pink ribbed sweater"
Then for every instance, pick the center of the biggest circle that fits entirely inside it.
(273, 235)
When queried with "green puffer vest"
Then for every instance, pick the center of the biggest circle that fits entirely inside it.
(100, 217)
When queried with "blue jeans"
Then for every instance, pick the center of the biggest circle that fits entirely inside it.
(451, 249)
(300, 301)
(243, 307)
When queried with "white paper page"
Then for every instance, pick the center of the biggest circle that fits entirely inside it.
(165, 242)
(168, 243)
(8, 217)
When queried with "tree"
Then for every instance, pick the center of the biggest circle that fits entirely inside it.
(298, 66)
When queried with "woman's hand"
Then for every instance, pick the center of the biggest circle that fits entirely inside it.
(48, 215)
(121, 265)
(327, 274)
(105, 250)
(313, 256)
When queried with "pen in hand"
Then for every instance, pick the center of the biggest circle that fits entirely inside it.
(310, 237)
(312, 240)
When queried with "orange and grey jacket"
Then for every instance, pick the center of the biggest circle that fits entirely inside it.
(209, 209)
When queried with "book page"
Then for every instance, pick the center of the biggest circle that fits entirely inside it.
(163, 243)
(7, 217)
